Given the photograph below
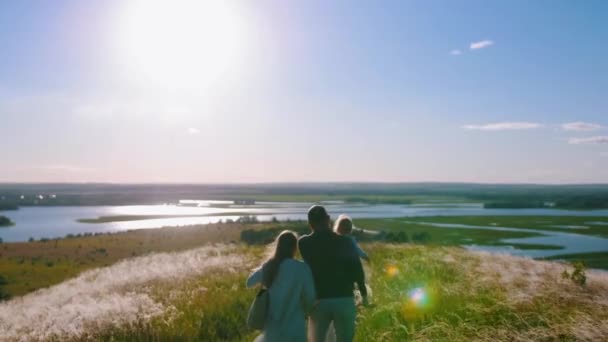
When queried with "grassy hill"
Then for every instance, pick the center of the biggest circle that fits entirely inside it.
(188, 284)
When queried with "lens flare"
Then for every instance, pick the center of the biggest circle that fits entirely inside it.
(418, 296)
(391, 271)
(418, 302)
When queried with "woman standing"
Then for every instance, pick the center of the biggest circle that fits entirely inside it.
(291, 290)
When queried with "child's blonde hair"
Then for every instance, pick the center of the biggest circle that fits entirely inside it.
(343, 225)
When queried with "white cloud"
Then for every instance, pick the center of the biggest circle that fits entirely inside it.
(503, 126)
(481, 44)
(597, 140)
(193, 130)
(580, 126)
(455, 52)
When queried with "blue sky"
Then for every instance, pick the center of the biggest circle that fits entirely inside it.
(475, 91)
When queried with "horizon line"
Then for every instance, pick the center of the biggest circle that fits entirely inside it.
(309, 183)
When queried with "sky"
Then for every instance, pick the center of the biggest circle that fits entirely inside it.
(304, 91)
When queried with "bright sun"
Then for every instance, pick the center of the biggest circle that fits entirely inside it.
(179, 43)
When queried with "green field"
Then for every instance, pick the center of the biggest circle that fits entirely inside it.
(594, 260)
(598, 228)
(471, 236)
(470, 296)
(466, 299)
(28, 266)
(467, 296)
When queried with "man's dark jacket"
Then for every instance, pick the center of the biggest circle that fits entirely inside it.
(334, 262)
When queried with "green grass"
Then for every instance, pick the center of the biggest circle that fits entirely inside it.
(210, 308)
(593, 260)
(530, 222)
(465, 301)
(441, 235)
(470, 296)
(28, 266)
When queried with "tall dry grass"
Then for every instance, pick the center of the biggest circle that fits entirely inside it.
(200, 295)
(480, 297)
(106, 297)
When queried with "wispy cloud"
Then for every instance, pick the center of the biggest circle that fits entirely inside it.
(504, 126)
(580, 126)
(597, 140)
(481, 44)
(193, 130)
(455, 52)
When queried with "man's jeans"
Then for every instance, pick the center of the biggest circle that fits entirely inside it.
(340, 311)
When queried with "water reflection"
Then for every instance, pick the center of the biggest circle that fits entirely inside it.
(50, 222)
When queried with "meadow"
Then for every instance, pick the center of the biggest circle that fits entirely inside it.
(187, 283)
(28, 266)
(199, 294)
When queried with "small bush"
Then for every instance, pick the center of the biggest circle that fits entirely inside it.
(578, 275)
(248, 219)
(421, 237)
(265, 236)
(5, 221)
(399, 237)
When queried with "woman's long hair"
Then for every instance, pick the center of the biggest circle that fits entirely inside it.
(285, 248)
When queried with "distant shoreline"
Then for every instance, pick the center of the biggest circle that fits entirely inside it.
(126, 218)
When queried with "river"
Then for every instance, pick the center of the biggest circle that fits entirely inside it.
(51, 222)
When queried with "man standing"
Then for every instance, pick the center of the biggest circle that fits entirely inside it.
(335, 268)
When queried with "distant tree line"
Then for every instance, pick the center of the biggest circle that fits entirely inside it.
(588, 196)
(377, 200)
(515, 204)
(267, 235)
(563, 202)
(583, 202)
(3, 294)
(8, 205)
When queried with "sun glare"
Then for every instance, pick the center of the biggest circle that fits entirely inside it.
(179, 43)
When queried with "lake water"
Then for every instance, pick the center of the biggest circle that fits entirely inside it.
(50, 222)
